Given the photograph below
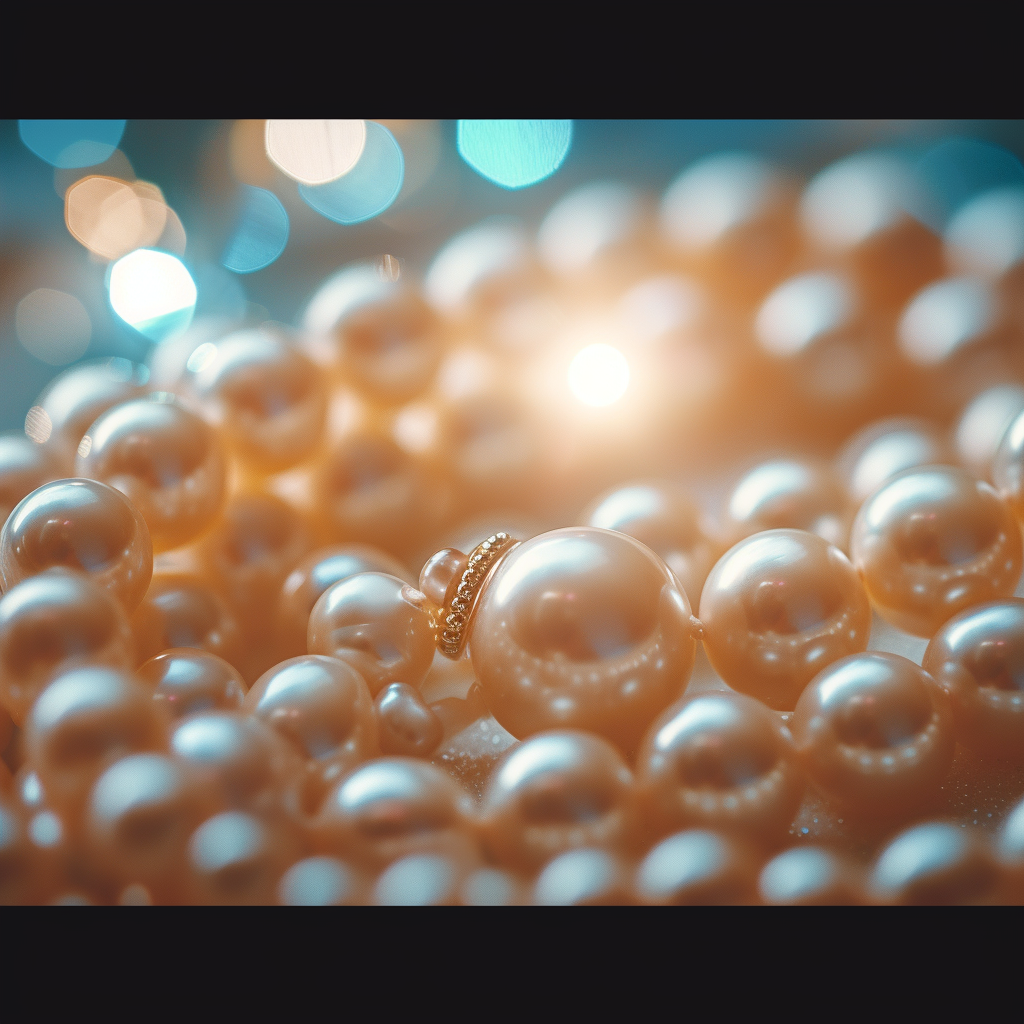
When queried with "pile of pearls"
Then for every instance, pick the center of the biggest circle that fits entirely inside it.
(399, 606)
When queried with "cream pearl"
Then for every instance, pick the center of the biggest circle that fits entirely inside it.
(777, 608)
(581, 629)
(932, 542)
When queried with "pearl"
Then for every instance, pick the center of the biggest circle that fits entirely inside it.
(934, 863)
(978, 660)
(166, 460)
(236, 758)
(810, 876)
(406, 725)
(187, 681)
(83, 525)
(83, 722)
(367, 621)
(76, 398)
(323, 708)
(50, 624)
(141, 813)
(777, 608)
(556, 792)
(875, 732)
(584, 878)
(581, 628)
(1008, 467)
(391, 808)
(932, 542)
(237, 858)
(313, 576)
(877, 453)
(267, 398)
(720, 761)
(440, 572)
(697, 868)
(320, 882)
(181, 609)
(661, 516)
(790, 495)
(24, 466)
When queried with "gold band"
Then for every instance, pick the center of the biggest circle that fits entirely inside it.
(453, 629)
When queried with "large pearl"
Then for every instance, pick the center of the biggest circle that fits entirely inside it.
(582, 629)
(932, 542)
(778, 608)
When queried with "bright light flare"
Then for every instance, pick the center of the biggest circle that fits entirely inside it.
(153, 292)
(599, 375)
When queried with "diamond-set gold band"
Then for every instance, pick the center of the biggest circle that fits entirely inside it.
(453, 629)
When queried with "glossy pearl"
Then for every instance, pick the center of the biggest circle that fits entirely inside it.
(581, 628)
(267, 398)
(556, 792)
(182, 610)
(880, 451)
(932, 542)
(320, 882)
(141, 813)
(236, 858)
(316, 574)
(367, 621)
(584, 878)
(934, 863)
(83, 722)
(83, 525)
(978, 660)
(406, 725)
(697, 868)
(391, 808)
(875, 732)
(1008, 467)
(790, 495)
(441, 575)
(237, 759)
(666, 520)
(165, 459)
(187, 681)
(720, 761)
(779, 607)
(77, 397)
(323, 708)
(24, 466)
(810, 876)
(52, 623)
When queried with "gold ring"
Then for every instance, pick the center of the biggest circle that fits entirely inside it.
(453, 629)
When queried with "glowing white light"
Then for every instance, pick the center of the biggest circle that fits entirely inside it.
(599, 375)
(153, 292)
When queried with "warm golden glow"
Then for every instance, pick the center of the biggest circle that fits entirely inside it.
(599, 375)
(111, 217)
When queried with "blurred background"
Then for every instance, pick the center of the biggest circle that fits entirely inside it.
(769, 303)
(201, 168)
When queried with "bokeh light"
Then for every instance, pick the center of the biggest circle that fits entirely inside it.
(72, 143)
(987, 234)
(261, 232)
(944, 317)
(802, 310)
(514, 154)
(369, 188)
(111, 217)
(315, 152)
(53, 326)
(599, 375)
(153, 292)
